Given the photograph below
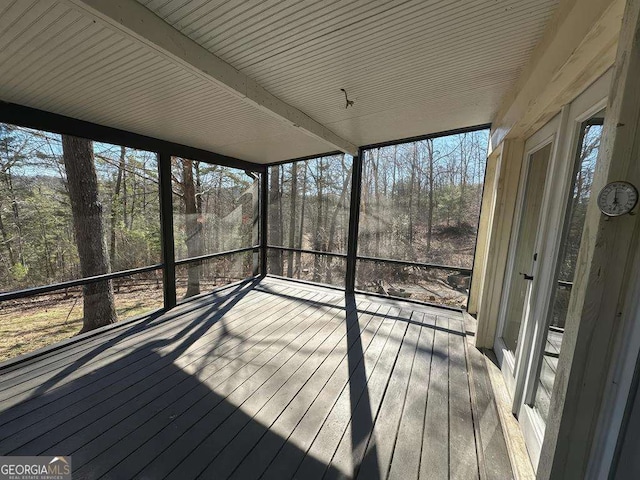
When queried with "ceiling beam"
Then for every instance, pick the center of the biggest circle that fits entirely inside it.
(136, 21)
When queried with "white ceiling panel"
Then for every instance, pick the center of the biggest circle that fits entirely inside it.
(412, 67)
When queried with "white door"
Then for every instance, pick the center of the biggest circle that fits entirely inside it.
(540, 150)
(554, 192)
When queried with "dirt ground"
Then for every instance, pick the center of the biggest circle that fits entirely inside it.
(33, 323)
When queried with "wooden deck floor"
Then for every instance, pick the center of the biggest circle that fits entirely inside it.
(265, 380)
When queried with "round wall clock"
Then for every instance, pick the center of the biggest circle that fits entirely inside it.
(617, 198)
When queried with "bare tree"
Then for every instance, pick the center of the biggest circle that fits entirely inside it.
(429, 144)
(292, 213)
(334, 218)
(275, 221)
(193, 224)
(82, 183)
(298, 259)
(114, 205)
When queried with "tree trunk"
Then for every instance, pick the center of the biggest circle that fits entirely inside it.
(317, 241)
(292, 214)
(82, 182)
(430, 209)
(193, 228)
(6, 240)
(334, 218)
(16, 217)
(464, 166)
(114, 207)
(411, 187)
(125, 195)
(375, 164)
(275, 220)
(301, 231)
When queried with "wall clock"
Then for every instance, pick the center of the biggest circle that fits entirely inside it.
(617, 198)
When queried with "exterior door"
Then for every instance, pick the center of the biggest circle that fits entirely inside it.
(554, 193)
(523, 256)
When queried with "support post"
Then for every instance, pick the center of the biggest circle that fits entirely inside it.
(256, 222)
(264, 213)
(166, 224)
(354, 219)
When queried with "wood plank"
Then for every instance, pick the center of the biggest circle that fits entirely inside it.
(254, 431)
(104, 450)
(435, 441)
(487, 211)
(190, 462)
(321, 392)
(509, 167)
(378, 454)
(83, 392)
(406, 456)
(88, 359)
(175, 315)
(324, 445)
(299, 386)
(324, 411)
(352, 448)
(196, 408)
(463, 460)
(231, 451)
(496, 462)
(90, 408)
(250, 400)
(162, 361)
(56, 382)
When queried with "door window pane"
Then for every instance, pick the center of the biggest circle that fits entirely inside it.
(567, 260)
(524, 249)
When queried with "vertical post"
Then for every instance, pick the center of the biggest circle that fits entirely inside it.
(166, 224)
(264, 212)
(354, 219)
(255, 235)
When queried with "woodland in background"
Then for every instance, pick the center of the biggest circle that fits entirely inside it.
(38, 242)
(62, 197)
(213, 212)
(420, 202)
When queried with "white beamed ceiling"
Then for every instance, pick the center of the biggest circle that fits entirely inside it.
(412, 67)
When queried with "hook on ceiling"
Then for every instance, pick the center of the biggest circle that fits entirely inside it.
(349, 102)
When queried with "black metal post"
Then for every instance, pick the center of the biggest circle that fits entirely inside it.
(264, 212)
(166, 222)
(255, 237)
(354, 218)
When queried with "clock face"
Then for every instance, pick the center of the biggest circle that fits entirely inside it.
(617, 198)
